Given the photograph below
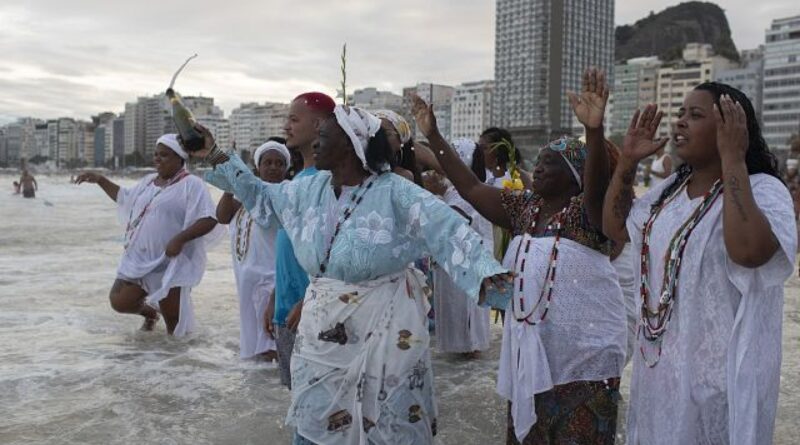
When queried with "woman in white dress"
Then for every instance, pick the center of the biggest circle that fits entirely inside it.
(661, 168)
(169, 219)
(253, 251)
(462, 326)
(716, 242)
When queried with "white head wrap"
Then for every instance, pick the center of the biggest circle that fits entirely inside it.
(272, 146)
(359, 126)
(465, 149)
(171, 140)
(399, 123)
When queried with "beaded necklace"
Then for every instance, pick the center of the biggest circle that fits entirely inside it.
(546, 293)
(242, 234)
(355, 200)
(653, 324)
(133, 224)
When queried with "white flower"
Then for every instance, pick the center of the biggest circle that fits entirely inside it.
(416, 218)
(310, 223)
(462, 245)
(374, 229)
(289, 220)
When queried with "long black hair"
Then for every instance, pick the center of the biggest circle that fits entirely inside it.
(408, 160)
(758, 158)
(379, 153)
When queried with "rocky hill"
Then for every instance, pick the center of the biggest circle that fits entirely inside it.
(666, 33)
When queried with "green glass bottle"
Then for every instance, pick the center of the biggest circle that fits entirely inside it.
(184, 120)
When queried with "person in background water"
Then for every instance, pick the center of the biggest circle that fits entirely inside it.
(286, 303)
(28, 184)
(462, 326)
(564, 336)
(253, 251)
(716, 242)
(169, 220)
(361, 370)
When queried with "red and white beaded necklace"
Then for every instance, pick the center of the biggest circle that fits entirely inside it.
(653, 324)
(134, 223)
(546, 294)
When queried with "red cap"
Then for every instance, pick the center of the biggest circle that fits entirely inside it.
(317, 101)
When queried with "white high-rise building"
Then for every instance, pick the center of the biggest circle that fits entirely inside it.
(440, 96)
(634, 87)
(471, 109)
(749, 77)
(251, 124)
(781, 102)
(542, 48)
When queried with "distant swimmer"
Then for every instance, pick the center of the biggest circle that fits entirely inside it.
(16, 188)
(169, 218)
(28, 184)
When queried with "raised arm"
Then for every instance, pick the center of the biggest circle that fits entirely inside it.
(227, 208)
(109, 187)
(748, 235)
(637, 145)
(484, 198)
(590, 108)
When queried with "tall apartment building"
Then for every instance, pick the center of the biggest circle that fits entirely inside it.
(251, 124)
(634, 87)
(781, 102)
(676, 80)
(440, 96)
(542, 48)
(748, 77)
(471, 109)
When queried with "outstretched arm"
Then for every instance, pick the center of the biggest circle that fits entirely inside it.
(590, 108)
(109, 187)
(484, 198)
(638, 144)
(748, 235)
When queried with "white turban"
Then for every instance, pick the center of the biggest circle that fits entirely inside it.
(171, 140)
(359, 126)
(465, 149)
(272, 146)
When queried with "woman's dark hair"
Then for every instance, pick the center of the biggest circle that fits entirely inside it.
(408, 161)
(495, 135)
(758, 158)
(379, 153)
(478, 166)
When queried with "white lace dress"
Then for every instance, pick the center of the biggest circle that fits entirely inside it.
(718, 377)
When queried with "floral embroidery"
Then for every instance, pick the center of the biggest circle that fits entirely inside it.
(310, 223)
(462, 245)
(374, 229)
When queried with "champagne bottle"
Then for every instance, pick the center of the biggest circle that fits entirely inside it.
(184, 120)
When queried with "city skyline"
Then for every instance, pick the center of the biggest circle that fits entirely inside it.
(81, 58)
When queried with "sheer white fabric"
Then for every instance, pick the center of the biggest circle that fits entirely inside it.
(255, 279)
(583, 336)
(461, 325)
(718, 377)
(625, 264)
(173, 210)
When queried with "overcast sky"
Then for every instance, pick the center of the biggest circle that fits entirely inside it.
(80, 57)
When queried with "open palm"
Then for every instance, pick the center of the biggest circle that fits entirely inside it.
(639, 141)
(590, 106)
(423, 114)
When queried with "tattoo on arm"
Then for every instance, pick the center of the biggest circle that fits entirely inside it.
(735, 190)
(624, 199)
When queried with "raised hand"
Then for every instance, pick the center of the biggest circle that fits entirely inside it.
(590, 106)
(208, 143)
(423, 114)
(732, 137)
(639, 141)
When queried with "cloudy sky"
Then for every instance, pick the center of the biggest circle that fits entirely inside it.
(80, 57)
